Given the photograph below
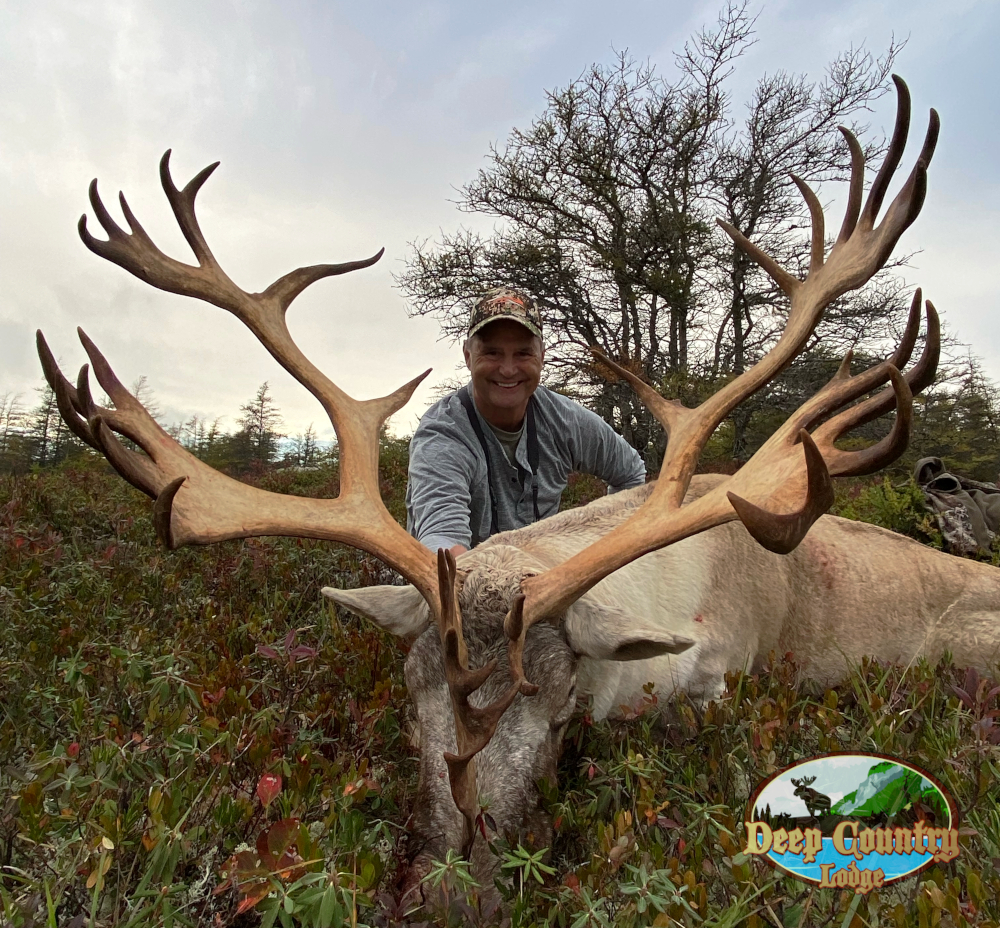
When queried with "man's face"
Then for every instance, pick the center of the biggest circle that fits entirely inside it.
(505, 360)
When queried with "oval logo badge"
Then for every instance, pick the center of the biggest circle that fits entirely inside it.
(852, 821)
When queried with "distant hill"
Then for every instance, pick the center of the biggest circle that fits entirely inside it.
(889, 789)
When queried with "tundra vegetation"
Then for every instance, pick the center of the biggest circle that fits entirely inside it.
(169, 719)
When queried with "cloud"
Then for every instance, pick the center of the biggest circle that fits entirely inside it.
(342, 128)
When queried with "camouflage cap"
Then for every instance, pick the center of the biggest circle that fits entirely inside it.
(505, 303)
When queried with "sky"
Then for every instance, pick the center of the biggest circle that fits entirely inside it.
(834, 775)
(344, 127)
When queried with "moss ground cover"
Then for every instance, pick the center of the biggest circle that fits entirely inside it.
(195, 738)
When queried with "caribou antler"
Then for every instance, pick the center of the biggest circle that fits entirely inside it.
(195, 504)
(785, 486)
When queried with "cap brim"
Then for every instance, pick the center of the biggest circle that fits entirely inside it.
(520, 320)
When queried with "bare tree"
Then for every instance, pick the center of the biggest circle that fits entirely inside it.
(13, 422)
(607, 205)
(790, 130)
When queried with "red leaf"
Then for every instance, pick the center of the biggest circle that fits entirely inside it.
(73, 750)
(964, 696)
(267, 652)
(573, 882)
(268, 788)
(253, 895)
(591, 770)
(282, 835)
(263, 854)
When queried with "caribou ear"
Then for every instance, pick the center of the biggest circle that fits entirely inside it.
(400, 610)
(608, 633)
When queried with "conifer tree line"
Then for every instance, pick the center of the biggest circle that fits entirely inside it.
(37, 436)
(957, 420)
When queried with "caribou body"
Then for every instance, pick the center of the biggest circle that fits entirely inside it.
(849, 590)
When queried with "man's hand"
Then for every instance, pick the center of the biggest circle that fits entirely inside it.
(456, 550)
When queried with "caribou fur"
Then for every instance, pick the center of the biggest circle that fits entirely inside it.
(849, 590)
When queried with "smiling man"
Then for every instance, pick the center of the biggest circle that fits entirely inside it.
(496, 454)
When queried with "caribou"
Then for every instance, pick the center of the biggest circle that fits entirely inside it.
(672, 583)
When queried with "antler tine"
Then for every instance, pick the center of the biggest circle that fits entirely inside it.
(67, 398)
(667, 412)
(133, 467)
(474, 725)
(782, 532)
(901, 356)
(892, 157)
(910, 197)
(857, 187)
(817, 248)
(786, 460)
(90, 423)
(85, 404)
(788, 283)
(182, 204)
(287, 288)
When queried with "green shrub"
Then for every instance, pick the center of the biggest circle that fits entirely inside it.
(899, 508)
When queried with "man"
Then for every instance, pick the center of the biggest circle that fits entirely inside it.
(496, 455)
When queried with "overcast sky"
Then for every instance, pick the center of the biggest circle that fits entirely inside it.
(345, 127)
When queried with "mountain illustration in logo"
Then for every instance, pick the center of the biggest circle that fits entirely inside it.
(889, 790)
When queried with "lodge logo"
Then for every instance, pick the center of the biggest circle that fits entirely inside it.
(852, 821)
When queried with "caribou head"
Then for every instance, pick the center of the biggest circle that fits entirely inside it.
(498, 635)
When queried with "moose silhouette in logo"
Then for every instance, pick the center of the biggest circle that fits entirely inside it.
(816, 802)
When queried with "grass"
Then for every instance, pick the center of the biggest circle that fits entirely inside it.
(195, 738)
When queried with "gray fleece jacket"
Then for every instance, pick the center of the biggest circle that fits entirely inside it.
(447, 496)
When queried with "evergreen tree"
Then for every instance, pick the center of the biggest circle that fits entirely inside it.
(305, 450)
(256, 443)
(959, 422)
(14, 455)
(143, 392)
(48, 438)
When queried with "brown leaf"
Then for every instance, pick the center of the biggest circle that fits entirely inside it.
(268, 788)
